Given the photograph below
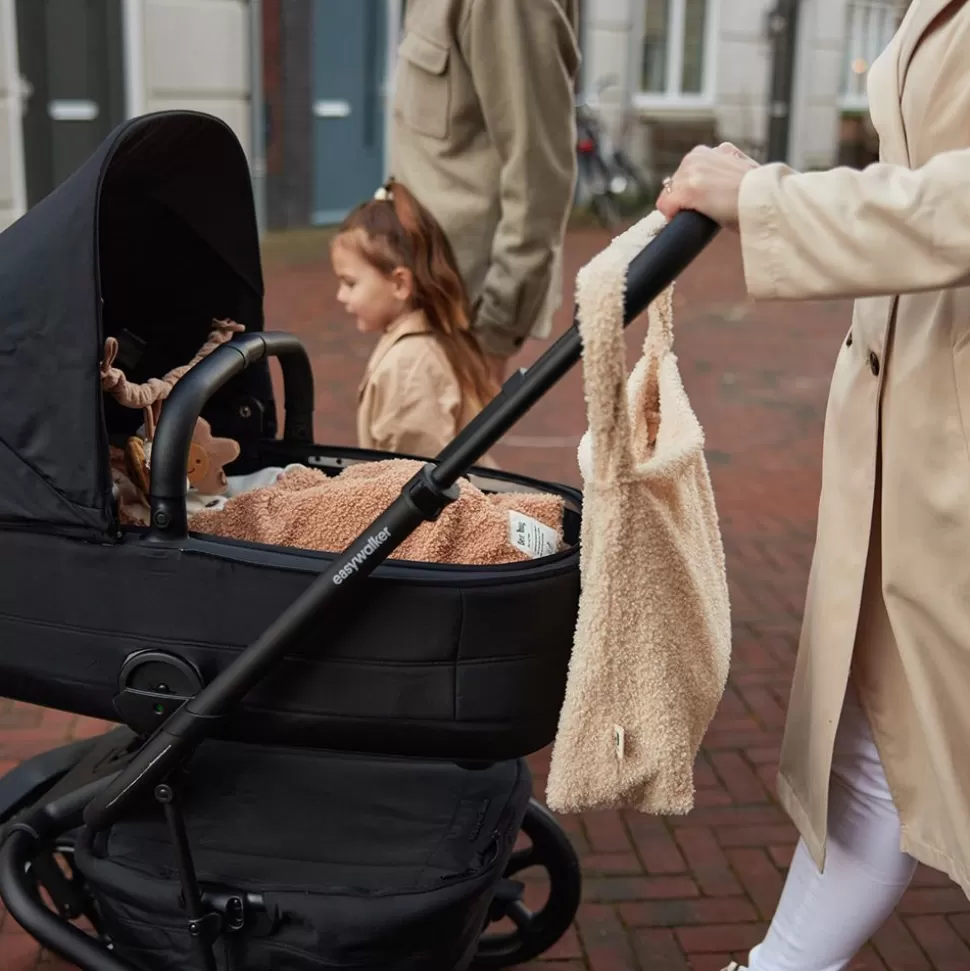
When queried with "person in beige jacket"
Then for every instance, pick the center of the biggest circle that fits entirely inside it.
(427, 377)
(484, 134)
(875, 765)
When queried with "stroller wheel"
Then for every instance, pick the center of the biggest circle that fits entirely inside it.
(530, 932)
(57, 883)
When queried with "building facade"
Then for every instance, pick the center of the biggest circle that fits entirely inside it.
(71, 71)
(326, 71)
(311, 106)
(691, 71)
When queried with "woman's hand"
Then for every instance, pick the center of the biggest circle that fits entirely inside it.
(709, 181)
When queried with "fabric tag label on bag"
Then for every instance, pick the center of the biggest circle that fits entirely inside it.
(533, 538)
(619, 741)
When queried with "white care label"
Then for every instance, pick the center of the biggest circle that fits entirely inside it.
(533, 538)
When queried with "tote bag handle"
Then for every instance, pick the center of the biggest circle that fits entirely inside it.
(600, 292)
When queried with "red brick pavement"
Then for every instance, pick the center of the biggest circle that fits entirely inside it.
(660, 895)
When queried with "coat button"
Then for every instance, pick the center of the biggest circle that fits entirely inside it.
(874, 363)
(848, 340)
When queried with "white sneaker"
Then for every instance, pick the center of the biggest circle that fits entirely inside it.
(734, 966)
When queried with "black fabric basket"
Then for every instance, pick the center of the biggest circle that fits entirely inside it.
(356, 863)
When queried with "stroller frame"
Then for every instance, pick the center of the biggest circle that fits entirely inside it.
(422, 500)
(106, 778)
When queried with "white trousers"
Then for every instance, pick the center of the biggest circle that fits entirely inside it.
(823, 919)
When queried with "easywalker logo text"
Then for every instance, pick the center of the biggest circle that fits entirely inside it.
(373, 544)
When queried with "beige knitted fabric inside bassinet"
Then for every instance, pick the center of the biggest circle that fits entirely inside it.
(308, 509)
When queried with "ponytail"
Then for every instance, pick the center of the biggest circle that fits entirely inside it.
(401, 232)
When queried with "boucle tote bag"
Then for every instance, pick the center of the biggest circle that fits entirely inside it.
(652, 645)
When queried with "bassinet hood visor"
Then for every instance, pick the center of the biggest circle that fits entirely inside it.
(148, 240)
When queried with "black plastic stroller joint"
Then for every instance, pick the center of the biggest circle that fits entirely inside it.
(427, 497)
(170, 450)
(152, 684)
(649, 273)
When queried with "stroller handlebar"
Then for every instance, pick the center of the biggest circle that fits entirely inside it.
(170, 450)
(421, 500)
(656, 266)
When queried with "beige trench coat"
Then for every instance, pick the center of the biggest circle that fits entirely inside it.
(484, 134)
(902, 379)
(409, 400)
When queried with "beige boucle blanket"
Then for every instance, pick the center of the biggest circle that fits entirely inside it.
(308, 509)
(653, 636)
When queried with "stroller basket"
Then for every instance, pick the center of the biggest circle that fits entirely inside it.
(356, 652)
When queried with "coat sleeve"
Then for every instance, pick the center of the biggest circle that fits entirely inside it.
(417, 403)
(523, 59)
(881, 231)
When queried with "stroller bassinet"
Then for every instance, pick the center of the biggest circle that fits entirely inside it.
(148, 242)
(185, 637)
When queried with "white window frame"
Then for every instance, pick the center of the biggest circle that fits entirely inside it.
(866, 45)
(133, 21)
(12, 108)
(672, 97)
(395, 32)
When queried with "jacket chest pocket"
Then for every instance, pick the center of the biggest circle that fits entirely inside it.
(423, 95)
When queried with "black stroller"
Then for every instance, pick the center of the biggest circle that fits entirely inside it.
(361, 790)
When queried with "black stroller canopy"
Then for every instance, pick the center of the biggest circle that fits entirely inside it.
(153, 237)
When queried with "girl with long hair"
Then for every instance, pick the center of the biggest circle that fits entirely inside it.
(427, 377)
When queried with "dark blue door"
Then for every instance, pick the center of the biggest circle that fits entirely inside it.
(349, 56)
